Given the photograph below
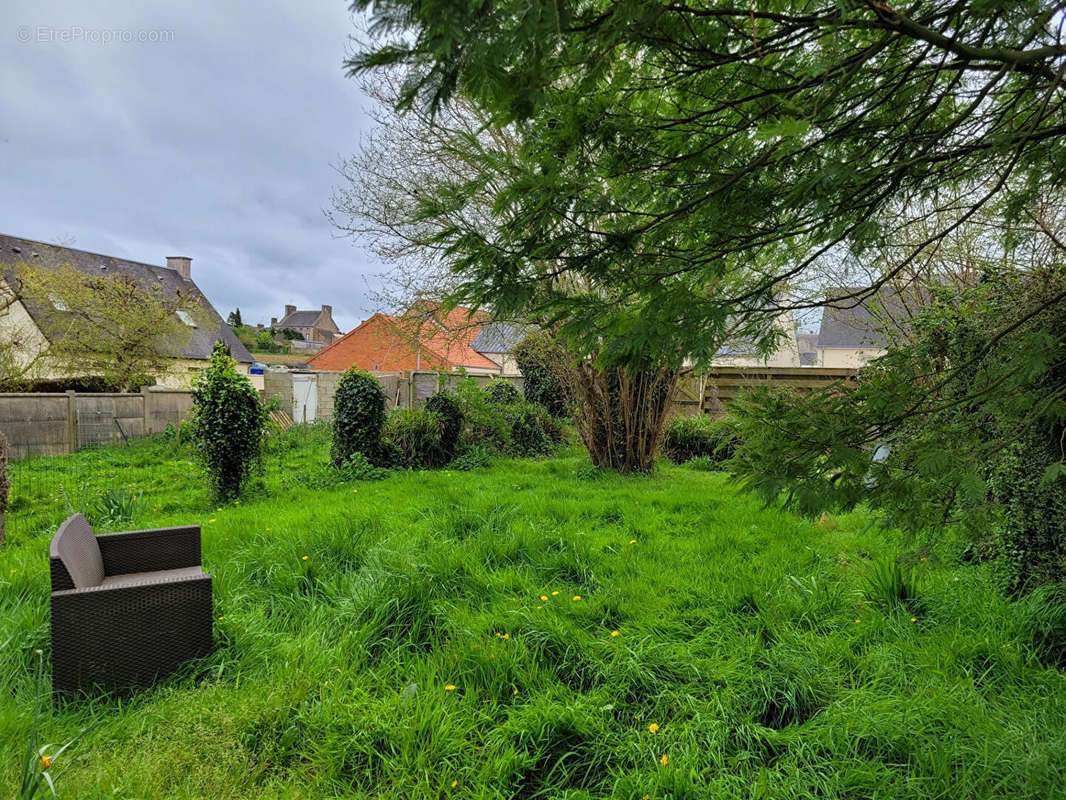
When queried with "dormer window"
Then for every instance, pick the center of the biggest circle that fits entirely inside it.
(185, 317)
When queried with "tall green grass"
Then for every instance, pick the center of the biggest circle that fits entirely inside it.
(347, 609)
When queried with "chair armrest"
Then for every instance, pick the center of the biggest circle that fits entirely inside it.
(150, 550)
(124, 591)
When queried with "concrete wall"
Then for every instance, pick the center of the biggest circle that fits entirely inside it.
(403, 389)
(50, 424)
(847, 357)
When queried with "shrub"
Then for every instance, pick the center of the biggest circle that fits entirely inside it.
(446, 407)
(1031, 532)
(412, 438)
(358, 417)
(485, 421)
(538, 357)
(687, 438)
(228, 423)
(533, 430)
(502, 393)
(529, 434)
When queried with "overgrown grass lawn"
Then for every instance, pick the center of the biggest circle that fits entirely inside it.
(534, 629)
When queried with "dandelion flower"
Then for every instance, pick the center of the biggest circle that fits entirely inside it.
(858, 621)
(555, 593)
(664, 760)
(647, 797)
(654, 727)
(914, 619)
(544, 598)
(354, 491)
(211, 520)
(306, 557)
(221, 618)
(632, 541)
(454, 784)
(615, 633)
(577, 597)
(506, 636)
(515, 692)
(449, 688)
(540, 607)
(46, 762)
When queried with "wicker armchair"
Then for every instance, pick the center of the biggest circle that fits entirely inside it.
(127, 608)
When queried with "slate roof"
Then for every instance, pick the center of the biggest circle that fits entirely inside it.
(856, 324)
(300, 319)
(210, 328)
(499, 337)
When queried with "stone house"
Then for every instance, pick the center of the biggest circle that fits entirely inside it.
(316, 326)
(32, 325)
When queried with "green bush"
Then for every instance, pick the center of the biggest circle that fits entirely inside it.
(411, 439)
(533, 430)
(1030, 537)
(227, 425)
(485, 422)
(687, 438)
(502, 393)
(538, 357)
(358, 417)
(446, 407)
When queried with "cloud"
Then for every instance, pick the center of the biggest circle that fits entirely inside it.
(213, 138)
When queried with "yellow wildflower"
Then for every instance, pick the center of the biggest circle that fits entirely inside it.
(221, 618)
(454, 784)
(577, 597)
(632, 541)
(664, 760)
(449, 688)
(306, 557)
(615, 633)
(211, 520)
(544, 598)
(914, 619)
(46, 762)
(555, 593)
(654, 727)
(515, 692)
(506, 636)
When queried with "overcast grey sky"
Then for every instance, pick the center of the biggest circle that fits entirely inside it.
(213, 138)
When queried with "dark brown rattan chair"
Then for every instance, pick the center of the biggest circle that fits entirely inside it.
(127, 608)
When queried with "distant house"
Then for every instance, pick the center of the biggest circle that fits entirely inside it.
(741, 353)
(35, 323)
(853, 332)
(424, 337)
(316, 326)
(496, 340)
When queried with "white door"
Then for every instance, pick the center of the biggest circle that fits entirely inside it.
(304, 398)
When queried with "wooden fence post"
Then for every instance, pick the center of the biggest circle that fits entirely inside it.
(72, 423)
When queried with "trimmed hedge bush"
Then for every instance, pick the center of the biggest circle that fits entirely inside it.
(502, 393)
(358, 417)
(537, 356)
(687, 438)
(228, 424)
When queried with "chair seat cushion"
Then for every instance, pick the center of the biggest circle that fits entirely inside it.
(140, 578)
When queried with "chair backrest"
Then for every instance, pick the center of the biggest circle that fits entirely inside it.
(75, 545)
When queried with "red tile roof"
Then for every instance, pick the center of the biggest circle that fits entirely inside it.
(417, 340)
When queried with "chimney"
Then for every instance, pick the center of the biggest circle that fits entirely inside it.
(181, 265)
(273, 322)
(289, 310)
(327, 310)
